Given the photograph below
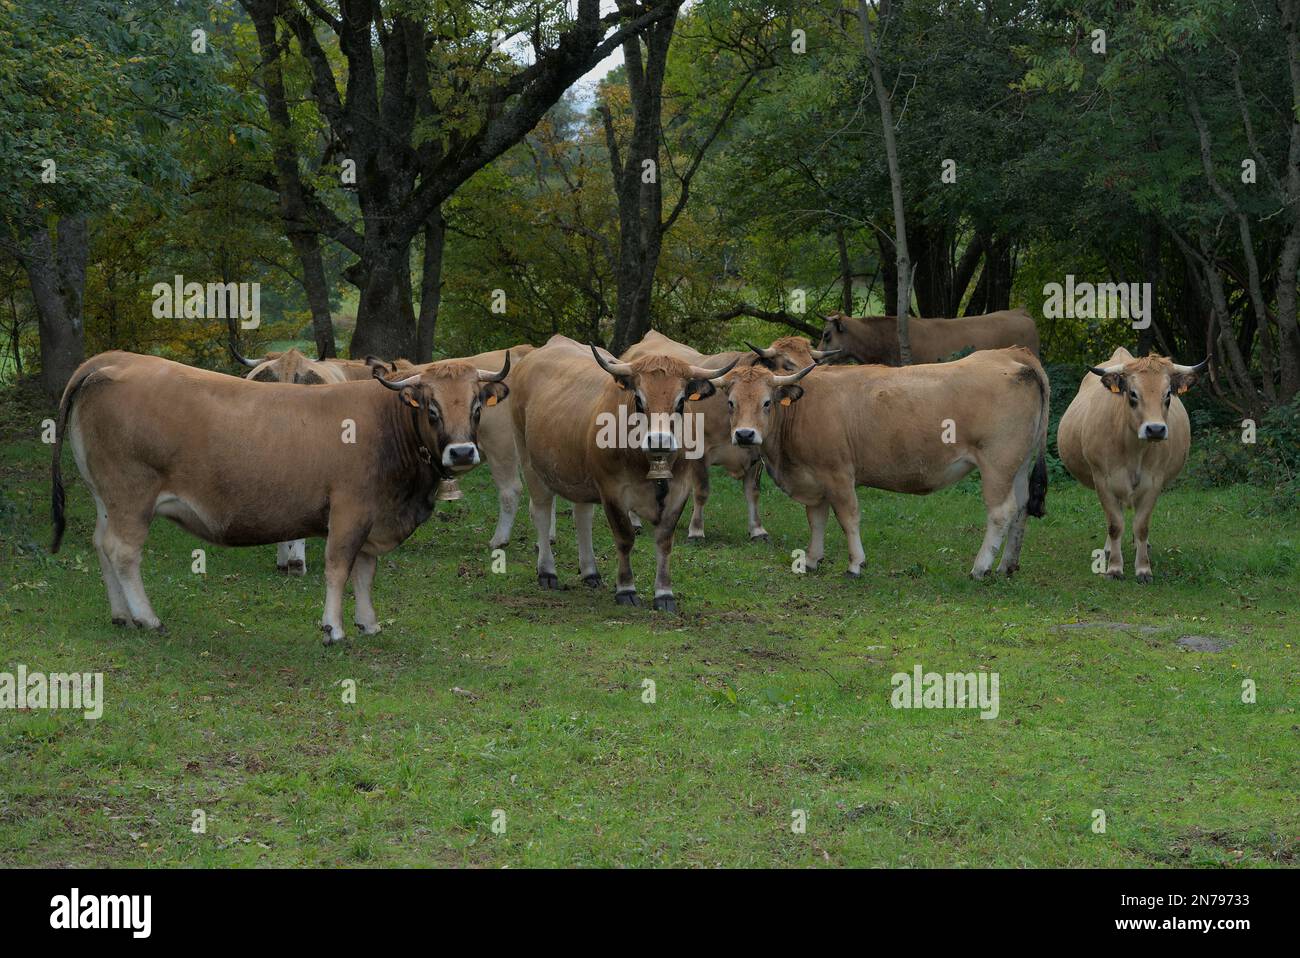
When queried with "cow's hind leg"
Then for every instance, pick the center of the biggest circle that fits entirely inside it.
(291, 557)
(505, 474)
(583, 513)
(1002, 508)
(1016, 534)
(122, 541)
(624, 539)
(119, 610)
(363, 576)
(845, 504)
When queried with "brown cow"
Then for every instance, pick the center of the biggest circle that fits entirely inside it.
(564, 397)
(739, 462)
(247, 463)
(874, 339)
(1126, 435)
(916, 429)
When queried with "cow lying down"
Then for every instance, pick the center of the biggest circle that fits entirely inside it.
(242, 463)
(913, 429)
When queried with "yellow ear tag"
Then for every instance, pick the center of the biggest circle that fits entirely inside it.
(491, 401)
(785, 400)
(694, 397)
(410, 402)
(1114, 387)
(1183, 388)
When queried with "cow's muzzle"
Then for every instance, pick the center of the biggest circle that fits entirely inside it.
(746, 437)
(460, 456)
(1156, 431)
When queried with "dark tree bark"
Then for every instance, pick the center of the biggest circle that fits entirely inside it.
(435, 238)
(403, 177)
(846, 273)
(56, 273)
(293, 208)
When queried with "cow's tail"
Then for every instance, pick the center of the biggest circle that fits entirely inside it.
(1037, 505)
(57, 497)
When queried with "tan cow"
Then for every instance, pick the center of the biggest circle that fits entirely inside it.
(1126, 435)
(292, 366)
(874, 339)
(738, 462)
(914, 429)
(244, 463)
(564, 396)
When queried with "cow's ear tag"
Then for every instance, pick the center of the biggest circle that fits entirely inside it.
(694, 397)
(1183, 387)
(410, 401)
(491, 401)
(1114, 387)
(785, 400)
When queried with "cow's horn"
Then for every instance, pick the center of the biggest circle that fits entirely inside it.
(821, 355)
(700, 372)
(244, 360)
(1192, 370)
(374, 362)
(793, 377)
(614, 369)
(768, 353)
(400, 384)
(1104, 370)
(488, 376)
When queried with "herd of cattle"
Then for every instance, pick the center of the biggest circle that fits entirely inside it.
(355, 451)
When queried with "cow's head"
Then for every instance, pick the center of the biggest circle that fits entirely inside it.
(446, 399)
(791, 353)
(287, 367)
(1147, 385)
(659, 388)
(868, 339)
(755, 396)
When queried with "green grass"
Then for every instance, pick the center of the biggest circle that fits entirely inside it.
(772, 695)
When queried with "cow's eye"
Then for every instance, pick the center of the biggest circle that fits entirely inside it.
(1133, 397)
(767, 404)
(640, 406)
(731, 406)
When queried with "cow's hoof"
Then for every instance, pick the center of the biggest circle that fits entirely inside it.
(1114, 574)
(592, 581)
(548, 581)
(696, 540)
(123, 622)
(1145, 577)
(1010, 570)
(494, 544)
(850, 574)
(297, 567)
(282, 569)
(759, 537)
(665, 603)
(369, 629)
(332, 636)
(978, 574)
(627, 598)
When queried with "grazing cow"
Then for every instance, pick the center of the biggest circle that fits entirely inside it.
(560, 393)
(739, 462)
(916, 429)
(874, 339)
(248, 463)
(1126, 435)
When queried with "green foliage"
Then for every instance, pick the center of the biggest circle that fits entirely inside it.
(1272, 462)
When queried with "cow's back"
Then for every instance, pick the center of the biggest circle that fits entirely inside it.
(936, 340)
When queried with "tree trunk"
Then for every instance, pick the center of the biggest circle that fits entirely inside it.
(846, 273)
(56, 272)
(385, 317)
(435, 238)
(904, 297)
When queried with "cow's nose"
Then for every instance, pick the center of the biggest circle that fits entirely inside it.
(659, 442)
(460, 455)
(745, 437)
(1154, 430)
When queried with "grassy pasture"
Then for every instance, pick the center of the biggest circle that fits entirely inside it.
(772, 694)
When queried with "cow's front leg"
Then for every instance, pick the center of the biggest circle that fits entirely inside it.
(753, 476)
(672, 511)
(1114, 510)
(700, 481)
(817, 516)
(583, 513)
(363, 576)
(1142, 510)
(341, 548)
(624, 539)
